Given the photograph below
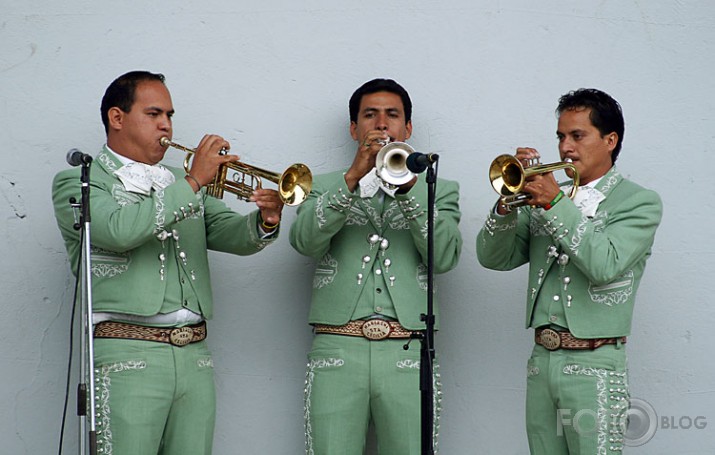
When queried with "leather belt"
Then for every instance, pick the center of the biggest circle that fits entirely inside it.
(372, 329)
(553, 340)
(176, 336)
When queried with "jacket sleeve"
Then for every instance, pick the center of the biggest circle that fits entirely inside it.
(604, 249)
(322, 215)
(503, 242)
(123, 224)
(447, 237)
(117, 226)
(231, 232)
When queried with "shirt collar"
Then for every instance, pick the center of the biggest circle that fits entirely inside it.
(122, 159)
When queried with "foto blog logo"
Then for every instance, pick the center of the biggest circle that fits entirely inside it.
(639, 422)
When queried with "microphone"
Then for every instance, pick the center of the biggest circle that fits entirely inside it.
(75, 157)
(418, 162)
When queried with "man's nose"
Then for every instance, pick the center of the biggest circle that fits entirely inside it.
(565, 145)
(165, 123)
(381, 122)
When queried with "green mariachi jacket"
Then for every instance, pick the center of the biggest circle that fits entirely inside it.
(334, 226)
(598, 261)
(128, 253)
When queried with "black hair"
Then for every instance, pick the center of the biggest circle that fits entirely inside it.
(379, 85)
(606, 114)
(120, 92)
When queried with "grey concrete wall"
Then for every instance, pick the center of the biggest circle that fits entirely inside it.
(274, 78)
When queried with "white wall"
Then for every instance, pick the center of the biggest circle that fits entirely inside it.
(274, 77)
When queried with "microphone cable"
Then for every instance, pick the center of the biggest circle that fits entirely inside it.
(71, 349)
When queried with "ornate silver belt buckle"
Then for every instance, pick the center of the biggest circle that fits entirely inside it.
(376, 329)
(181, 336)
(550, 339)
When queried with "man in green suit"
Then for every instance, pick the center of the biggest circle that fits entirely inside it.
(586, 258)
(151, 228)
(369, 288)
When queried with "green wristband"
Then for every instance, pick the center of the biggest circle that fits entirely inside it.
(554, 201)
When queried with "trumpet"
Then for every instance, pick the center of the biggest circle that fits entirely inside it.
(508, 176)
(294, 183)
(391, 163)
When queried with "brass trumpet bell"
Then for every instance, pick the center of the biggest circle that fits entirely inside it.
(294, 183)
(508, 176)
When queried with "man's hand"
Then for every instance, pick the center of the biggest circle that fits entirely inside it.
(270, 205)
(543, 188)
(207, 159)
(365, 155)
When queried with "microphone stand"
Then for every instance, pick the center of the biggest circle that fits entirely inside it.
(87, 336)
(427, 352)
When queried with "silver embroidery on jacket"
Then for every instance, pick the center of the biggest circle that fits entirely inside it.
(421, 276)
(105, 159)
(577, 238)
(610, 183)
(319, 211)
(615, 292)
(492, 226)
(356, 217)
(325, 271)
(108, 264)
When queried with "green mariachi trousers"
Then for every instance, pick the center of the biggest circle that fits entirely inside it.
(154, 398)
(577, 401)
(351, 381)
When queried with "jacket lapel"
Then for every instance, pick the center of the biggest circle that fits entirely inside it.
(609, 181)
(108, 162)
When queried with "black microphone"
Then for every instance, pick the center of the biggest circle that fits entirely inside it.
(75, 157)
(418, 162)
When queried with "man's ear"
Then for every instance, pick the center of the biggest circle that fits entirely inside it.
(408, 127)
(353, 130)
(115, 117)
(612, 140)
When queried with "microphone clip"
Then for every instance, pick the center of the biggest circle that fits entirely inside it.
(413, 336)
(419, 162)
(76, 157)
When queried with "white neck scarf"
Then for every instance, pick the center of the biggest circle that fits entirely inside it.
(141, 178)
(587, 198)
(370, 184)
